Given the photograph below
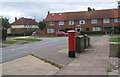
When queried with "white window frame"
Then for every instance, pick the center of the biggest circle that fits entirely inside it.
(80, 28)
(94, 21)
(97, 28)
(50, 30)
(81, 21)
(51, 23)
(116, 19)
(61, 23)
(106, 20)
(71, 22)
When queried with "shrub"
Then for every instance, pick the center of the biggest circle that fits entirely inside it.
(92, 32)
(28, 32)
(3, 34)
(17, 34)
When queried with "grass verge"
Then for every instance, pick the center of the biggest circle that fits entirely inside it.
(9, 42)
(48, 61)
(47, 36)
(29, 39)
(95, 35)
(109, 70)
(2, 46)
(116, 39)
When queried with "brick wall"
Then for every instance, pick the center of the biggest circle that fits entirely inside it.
(86, 25)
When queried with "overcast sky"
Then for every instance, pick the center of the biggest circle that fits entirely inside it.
(38, 9)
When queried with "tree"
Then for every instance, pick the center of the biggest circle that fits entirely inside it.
(41, 25)
(5, 23)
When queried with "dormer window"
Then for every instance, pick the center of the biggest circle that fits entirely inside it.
(60, 14)
(52, 14)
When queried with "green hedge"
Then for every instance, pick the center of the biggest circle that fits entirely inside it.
(3, 34)
(17, 34)
(92, 32)
(28, 32)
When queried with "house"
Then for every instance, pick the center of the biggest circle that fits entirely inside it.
(91, 20)
(22, 24)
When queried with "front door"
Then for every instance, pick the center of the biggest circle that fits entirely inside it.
(87, 29)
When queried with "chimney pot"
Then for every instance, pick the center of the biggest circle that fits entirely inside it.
(48, 12)
(89, 9)
(15, 18)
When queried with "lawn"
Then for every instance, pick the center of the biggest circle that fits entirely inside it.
(116, 39)
(29, 39)
(95, 35)
(9, 42)
(47, 36)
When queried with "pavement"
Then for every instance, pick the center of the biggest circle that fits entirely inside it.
(94, 61)
(28, 65)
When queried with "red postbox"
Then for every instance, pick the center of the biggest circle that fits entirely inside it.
(71, 43)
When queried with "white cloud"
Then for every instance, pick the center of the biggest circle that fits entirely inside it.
(10, 14)
(40, 9)
(58, 0)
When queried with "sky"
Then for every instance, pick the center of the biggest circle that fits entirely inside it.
(37, 9)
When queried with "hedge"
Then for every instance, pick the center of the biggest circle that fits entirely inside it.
(3, 34)
(28, 32)
(92, 32)
(17, 34)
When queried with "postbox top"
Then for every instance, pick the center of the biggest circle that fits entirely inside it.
(71, 31)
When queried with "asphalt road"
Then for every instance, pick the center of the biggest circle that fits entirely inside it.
(54, 49)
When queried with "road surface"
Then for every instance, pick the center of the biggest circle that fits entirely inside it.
(54, 49)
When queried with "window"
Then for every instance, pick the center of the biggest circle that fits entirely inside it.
(82, 21)
(60, 14)
(51, 30)
(94, 21)
(79, 29)
(117, 20)
(51, 23)
(52, 14)
(25, 26)
(106, 20)
(71, 22)
(96, 29)
(61, 22)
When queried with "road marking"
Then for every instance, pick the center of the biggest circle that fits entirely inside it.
(23, 47)
(20, 48)
(12, 49)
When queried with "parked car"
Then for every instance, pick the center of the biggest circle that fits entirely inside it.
(61, 33)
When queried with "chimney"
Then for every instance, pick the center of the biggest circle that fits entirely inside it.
(89, 9)
(48, 12)
(15, 18)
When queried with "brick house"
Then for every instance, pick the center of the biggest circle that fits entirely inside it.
(91, 20)
(22, 24)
